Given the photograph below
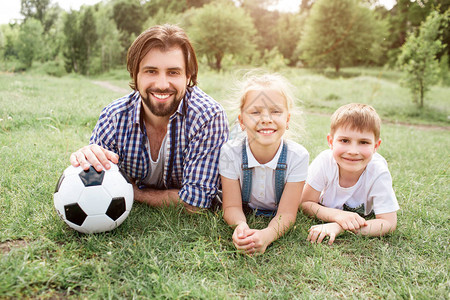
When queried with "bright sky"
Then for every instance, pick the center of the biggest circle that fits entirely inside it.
(10, 9)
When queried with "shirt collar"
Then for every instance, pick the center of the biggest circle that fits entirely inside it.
(252, 162)
(136, 117)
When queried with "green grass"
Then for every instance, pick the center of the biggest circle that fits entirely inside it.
(164, 253)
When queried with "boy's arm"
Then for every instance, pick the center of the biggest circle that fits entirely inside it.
(383, 224)
(310, 206)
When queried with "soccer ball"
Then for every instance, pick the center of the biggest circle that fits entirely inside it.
(91, 201)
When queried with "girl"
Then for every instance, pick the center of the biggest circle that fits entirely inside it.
(261, 172)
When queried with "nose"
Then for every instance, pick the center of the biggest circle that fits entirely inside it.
(353, 149)
(162, 82)
(266, 117)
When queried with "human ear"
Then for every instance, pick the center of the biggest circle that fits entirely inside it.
(377, 144)
(287, 121)
(330, 141)
(241, 123)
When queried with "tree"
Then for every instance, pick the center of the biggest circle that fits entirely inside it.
(221, 28)
(80, 36)
(128, 17)
(41, 10)
(287, 34)
(418, 56)
(107, 49)
(29, 42)
(340, 33)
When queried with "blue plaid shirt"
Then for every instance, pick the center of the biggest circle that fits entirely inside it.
(195, 134)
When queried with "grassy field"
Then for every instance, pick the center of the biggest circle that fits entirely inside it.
(164, 253)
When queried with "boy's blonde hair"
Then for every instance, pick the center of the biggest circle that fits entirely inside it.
(357, 116)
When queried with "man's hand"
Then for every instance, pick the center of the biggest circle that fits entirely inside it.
(349, 220)
(94, 155)
(318, 232)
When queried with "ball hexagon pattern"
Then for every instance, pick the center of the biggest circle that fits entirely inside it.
(91, 201)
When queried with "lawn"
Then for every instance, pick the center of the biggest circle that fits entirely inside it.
(165, 253)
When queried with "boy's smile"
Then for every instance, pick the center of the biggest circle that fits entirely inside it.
(352, 150)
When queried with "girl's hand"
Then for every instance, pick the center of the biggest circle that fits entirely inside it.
(260, 242)
(241, 239)
(350, 220)
(318, 232)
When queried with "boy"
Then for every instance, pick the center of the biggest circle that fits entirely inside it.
(350, 181)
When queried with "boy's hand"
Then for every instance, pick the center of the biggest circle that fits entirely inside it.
(350, 220)
(241, 239)
(318, 232)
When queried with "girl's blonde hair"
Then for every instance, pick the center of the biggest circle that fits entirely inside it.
(257, 82)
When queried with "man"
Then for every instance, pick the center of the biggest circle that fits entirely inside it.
(166, 135)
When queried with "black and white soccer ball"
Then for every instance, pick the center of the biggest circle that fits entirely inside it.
(91, 201)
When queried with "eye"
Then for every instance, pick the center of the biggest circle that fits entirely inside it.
(365, 142)
(277, 112)
(149, 71)
(174, 73)
(345, 141)
(255, 113)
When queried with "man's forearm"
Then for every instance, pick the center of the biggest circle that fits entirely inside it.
(157, 198)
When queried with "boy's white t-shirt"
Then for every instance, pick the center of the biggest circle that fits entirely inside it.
(263, 175)
(373, 189)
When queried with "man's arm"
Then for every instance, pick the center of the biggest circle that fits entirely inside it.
(101, 149)
(160, 198)
(201, 165)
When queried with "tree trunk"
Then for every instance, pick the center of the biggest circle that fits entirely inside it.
(218, 61)
(337, 67)
(421, 89)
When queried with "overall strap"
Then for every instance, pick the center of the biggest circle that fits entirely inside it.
(247, 175)
(280, 173)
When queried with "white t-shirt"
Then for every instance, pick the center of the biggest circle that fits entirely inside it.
(373, 189)
(263, 175)
(154, 178)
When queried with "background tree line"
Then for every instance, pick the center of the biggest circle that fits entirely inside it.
(324, 33)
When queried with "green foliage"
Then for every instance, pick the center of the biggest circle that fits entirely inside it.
(271, 60)
(340, 33)
(29, 43)
(219, 29)
(80, 38)
(287, 33)
(128, 16)
(34, 9)
(107, 50)
(418, 57)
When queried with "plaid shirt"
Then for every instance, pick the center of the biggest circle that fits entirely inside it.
(195, 134)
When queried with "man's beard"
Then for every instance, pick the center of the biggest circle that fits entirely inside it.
(162, 109)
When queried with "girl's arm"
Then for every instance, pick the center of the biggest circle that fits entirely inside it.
(234, 215)
(283, 220)
(232, 202)
(310, 206)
